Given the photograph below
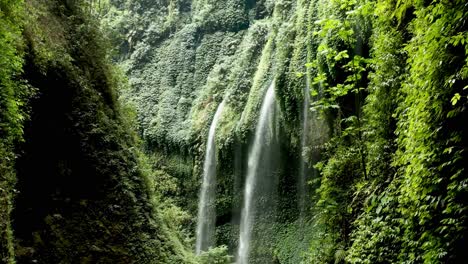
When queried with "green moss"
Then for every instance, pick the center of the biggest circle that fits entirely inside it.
(387, 83)
(13, 97)
(92, 197)
(260, 82)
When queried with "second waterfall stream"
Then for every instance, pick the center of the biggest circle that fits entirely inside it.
(258, 170)
(207, 207)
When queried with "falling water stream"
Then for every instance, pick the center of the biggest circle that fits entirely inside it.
(206, 206)
(302, 184)
(264, 134)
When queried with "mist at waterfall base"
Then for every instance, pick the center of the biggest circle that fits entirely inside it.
(259, 200)
(207, 202)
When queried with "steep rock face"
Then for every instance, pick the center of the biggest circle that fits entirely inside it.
(183, 58)
(83, 192)
(179, 59)
(382, 100)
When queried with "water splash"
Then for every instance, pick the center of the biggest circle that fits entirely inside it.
(206, 206)
(263, 134)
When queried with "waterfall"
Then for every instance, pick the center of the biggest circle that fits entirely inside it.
(264, 136)
(302, 184)
(206, 206)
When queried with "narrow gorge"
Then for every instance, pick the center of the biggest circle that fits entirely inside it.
(233, 131)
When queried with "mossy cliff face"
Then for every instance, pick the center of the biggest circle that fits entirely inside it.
(183, 58)
(392, 116)
(188, 58)
(83, 192)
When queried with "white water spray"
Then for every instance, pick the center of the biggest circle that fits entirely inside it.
(206, 206)
(264, 132)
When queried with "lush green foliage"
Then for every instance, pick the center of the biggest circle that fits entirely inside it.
(388, 82)
(13, 94)
(393, 184)
(217, 255)
(85, 192)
